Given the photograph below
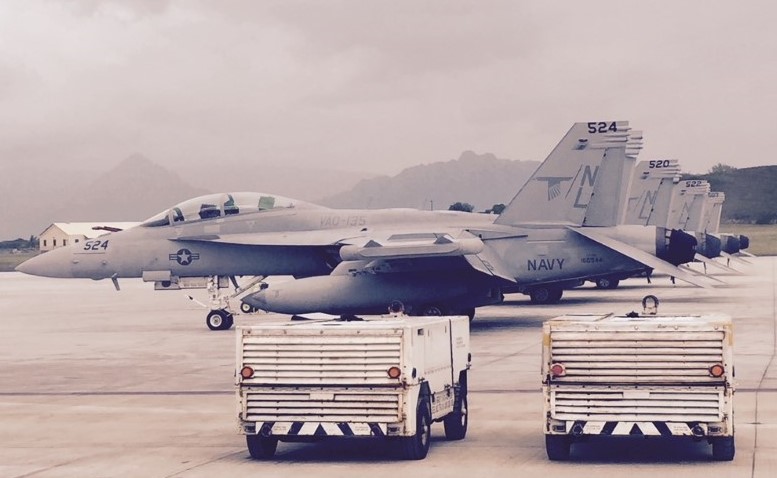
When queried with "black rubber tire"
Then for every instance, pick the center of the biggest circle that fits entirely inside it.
(545, 295)
(261, 447)
(557, 447)
(607, 283)
(432, 310)
(456, 422)
(416, 447)
(723, 449)
(219, 320)
(247, 308)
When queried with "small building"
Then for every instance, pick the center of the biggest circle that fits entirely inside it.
(61, 234)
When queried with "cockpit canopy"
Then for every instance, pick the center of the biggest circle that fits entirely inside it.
(219, 205)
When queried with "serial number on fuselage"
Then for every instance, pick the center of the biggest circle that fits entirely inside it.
(343, 221)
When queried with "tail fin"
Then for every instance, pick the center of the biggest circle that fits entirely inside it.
(577, 182)
(685, 205)
(650, 195)
(698, 207)
(715, 208)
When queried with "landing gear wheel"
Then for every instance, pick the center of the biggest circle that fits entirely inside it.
(261, 447)
(723, 449)
(417, 446)
(557, 447)
(456, 421)
(219, 320)
(432, 309)
(545, 295)
(247, 308)
(607, 283)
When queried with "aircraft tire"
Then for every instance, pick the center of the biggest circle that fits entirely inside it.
(247, 308)
(219, 320)
(607, 283)
(416, 447)
(261, 447)
(432, 309)
(545, 295)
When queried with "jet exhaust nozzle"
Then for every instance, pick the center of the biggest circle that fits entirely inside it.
(731, 243)
(711, 246)
(680, 249)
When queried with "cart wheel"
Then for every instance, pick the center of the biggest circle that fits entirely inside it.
(557, 447)
(261, 447)
(723, 449)
(456, 421)
(417, 446)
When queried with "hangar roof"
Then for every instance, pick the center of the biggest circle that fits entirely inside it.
(86, 229)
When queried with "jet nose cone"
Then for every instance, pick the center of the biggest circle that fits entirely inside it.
(54, 263)
(35, 266)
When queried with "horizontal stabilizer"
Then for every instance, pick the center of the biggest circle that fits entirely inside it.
(639, 255)
(717, 264)
(735, 258)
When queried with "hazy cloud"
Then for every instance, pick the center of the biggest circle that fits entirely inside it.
(379, 86)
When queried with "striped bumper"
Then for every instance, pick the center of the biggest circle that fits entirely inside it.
(317, 429)
(579, 427)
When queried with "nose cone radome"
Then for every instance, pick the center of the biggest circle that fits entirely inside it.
(56, 263)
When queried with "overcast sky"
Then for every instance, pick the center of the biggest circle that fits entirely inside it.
(378, 86)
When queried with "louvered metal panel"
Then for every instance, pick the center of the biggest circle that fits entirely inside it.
(606, 404)
(321, 405)
(643, 353)
(318, 359)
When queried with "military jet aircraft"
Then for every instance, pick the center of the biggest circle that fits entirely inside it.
(559, 228)
(659, 196)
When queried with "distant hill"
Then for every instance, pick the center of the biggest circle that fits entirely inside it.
(751, 193)
(134, 190)
(307, 184)
(478, 179)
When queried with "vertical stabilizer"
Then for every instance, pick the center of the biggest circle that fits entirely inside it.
(682, 212)
(698, 207)
(607, 206)
(651, 192)
(562, 187)
(715, 209)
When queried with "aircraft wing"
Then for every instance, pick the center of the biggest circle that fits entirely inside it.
(382, 251)
(640, 256)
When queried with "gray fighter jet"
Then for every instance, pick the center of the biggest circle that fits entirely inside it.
(659, 196)
(561, 227)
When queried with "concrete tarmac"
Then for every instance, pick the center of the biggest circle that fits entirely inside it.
(99, 383)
